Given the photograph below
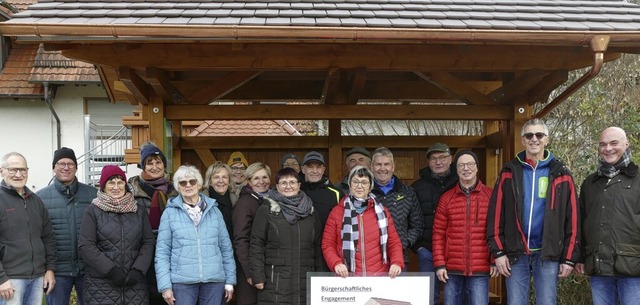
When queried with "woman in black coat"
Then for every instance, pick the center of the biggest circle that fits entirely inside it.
(116, 243)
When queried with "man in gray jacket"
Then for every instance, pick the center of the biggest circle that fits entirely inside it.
(66, 199)
(27, 241)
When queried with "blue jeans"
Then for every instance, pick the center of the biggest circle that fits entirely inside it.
(545, 278)
(425, 264)
(607, 290)
(27, 292)
(471, 290)
(61, 292)
(201, 293)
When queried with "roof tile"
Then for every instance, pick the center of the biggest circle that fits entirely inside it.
(14, 78)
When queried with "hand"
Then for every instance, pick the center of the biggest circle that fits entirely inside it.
(260, 286)
(134, 277)
(118, 277)
(49, 281)
(250, 281)
(6, 290)
(565, 270)
(394, 270)
(228, 292)
(493, 271)
(442, 275)
(503, 265)
(341, 270)
(167, 295)
(579, 268)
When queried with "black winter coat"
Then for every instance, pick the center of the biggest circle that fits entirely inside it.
(111, 241)
(611, 227)
(283, 253)
(429, 190)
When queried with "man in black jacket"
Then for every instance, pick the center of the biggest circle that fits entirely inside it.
(609, 203)
(27, 241)
(435, 179)
(66, 199)
(317, 187)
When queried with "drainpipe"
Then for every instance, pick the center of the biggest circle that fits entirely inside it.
(47, 99)
(599, 45)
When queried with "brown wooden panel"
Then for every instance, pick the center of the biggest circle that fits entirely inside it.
(325, 112)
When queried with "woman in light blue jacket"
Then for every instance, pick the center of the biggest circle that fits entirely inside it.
(194, 256)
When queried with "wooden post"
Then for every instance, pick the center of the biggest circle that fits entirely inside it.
(155, 115)
(335, 151)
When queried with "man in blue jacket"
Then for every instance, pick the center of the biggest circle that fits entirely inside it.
(66, 199)
(533, 221)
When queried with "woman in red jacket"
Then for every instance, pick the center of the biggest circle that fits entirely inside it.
(460, 252)
(359, 236)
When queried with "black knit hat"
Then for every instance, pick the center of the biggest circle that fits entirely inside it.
(151, 150)
(466, 152)
(62, 153)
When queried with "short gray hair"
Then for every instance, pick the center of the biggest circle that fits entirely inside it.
(213, 169)
(5, 159)
(382, 151)
(360, 171)
(187, 171)
(532, 122)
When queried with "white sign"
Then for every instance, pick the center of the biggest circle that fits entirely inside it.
(409, 289)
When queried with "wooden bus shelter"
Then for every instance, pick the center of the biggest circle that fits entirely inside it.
(193, 60)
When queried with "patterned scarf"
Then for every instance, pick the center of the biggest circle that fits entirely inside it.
(124, 204)
(195, 212)
(350, 233)
(295, 207)
(157, 190)
(611, 170)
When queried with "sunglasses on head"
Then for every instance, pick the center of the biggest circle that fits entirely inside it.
(191, 182)
(539, 135)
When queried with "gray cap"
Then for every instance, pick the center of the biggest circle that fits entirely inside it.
(438, 147)
(313, 156)
(359, 150)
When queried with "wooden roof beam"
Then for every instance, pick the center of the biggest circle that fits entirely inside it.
(136, 85)
(358, 80)
(222, 86)
(517, 87)
(160, 82)
(335, 88)
(456, 87)
(344, 112)
(540, 92)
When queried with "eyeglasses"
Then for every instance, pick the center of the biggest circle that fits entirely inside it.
(191, 182)
(363, 183)
(70, 165)
(539, 135)
(238, 169)
(116, 183)
(14, 170)
(291, 183)
(470, 165)
(440, 158)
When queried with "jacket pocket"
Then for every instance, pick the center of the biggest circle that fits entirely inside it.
(589, 260)
(627, 260)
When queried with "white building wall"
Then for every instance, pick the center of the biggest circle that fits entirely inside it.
(28, 127)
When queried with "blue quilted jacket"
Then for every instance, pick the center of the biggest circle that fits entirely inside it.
(190, 254)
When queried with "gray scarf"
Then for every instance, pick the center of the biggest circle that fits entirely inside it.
(611, 170)
(293, 208)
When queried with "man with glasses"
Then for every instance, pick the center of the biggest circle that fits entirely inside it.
(27, 240)
(66, 199)
(435, 179)
(398, 198)
(533, 220)
(238, 164)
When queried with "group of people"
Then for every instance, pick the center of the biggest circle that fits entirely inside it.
(188, 240)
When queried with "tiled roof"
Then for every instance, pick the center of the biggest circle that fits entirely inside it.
(14, 78)
(51, 66)
(21, 5)
(248, 128)
(584, 15)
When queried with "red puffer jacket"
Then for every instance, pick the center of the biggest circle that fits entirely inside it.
(370, 238)
(459, 231)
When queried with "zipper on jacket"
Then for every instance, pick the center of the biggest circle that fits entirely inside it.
(531, 205)
(362, 254)
(33, 267)
(467, 232)
(272, 267)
